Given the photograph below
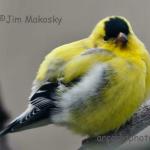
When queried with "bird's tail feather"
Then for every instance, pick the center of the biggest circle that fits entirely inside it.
(27, 120)
(38, 112)
(8, 129)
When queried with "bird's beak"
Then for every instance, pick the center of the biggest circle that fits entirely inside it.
(122, 39)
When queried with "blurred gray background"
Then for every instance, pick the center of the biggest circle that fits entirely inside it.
(23, 47)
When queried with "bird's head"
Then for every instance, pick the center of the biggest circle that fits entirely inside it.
(114, 31)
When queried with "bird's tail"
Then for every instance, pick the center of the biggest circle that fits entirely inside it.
(8, 129)
(31, 118)
(38, 112)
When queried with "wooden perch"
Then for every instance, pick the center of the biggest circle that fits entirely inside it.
(113, 140)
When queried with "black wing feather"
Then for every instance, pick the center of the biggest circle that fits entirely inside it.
(41, 105)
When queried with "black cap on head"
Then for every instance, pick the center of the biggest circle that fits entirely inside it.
(114, 26)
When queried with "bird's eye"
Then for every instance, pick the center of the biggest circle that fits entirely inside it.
(106, 38)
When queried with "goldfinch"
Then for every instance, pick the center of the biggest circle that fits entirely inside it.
(92, 86)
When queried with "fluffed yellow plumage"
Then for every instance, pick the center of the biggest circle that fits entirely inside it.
(121, 95)
(127, 86)
(92, 86)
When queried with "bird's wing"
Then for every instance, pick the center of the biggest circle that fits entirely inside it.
(45, 96)
(80, 65)
(38, 111)
(56, 59)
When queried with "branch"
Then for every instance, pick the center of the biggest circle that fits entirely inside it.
(113, 140)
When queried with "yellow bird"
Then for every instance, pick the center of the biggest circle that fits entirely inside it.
(92, 86)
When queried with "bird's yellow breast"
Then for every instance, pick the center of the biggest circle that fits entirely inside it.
(118, 99)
